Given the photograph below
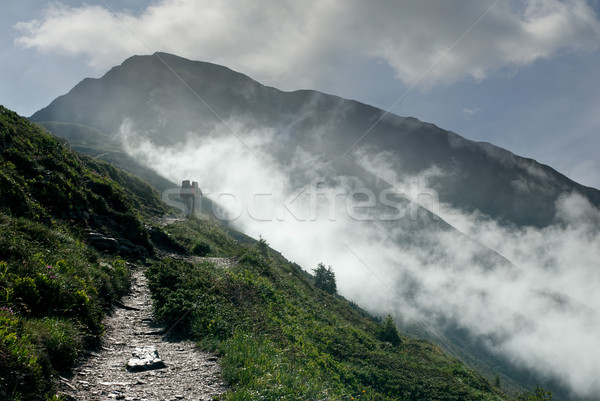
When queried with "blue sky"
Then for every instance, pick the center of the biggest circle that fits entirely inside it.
(523, 75)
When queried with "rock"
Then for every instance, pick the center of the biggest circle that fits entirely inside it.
(102, 242)
(129, 249)
(145, 358)
(122, 246)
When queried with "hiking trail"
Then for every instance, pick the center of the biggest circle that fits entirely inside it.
(190, 374)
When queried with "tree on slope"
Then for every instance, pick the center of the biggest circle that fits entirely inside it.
(325, 279)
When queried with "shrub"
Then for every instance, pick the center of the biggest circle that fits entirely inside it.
(201, 249)
(538, 395)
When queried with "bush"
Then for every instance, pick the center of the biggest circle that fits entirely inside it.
(201, 249)
(538, 395)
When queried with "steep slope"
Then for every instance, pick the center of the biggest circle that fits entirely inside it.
(71, 227)
(278, 334)
(67, 223)
(105, 147)
(282, 337)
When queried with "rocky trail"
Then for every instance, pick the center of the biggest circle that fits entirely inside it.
(167, 367)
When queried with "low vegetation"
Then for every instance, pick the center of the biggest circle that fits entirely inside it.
(281, 333)
(283, 337)
(54, 287)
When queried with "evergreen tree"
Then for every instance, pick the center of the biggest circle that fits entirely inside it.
(325, 279)
(389, 332)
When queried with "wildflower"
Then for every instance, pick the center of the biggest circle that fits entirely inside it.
(48, 267)
(9, 311)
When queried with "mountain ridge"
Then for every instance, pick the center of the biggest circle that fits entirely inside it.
(224, 93)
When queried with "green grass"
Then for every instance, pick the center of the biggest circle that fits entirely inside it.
(280, 337)
(203, 238)
(54, 288)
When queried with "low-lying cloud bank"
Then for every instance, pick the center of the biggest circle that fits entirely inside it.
(540, 310)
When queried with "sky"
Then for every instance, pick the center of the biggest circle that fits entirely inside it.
(523, 75)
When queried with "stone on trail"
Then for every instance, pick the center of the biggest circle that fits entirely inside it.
(145, 358)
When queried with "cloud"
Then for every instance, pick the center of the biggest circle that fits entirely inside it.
(541, 311)
(290, 44)
(550, 314)
(543, 314)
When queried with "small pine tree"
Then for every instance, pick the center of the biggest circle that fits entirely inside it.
(389, 332)
(263, 247)
(325, 279)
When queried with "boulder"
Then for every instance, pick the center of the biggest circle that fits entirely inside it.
(121, 246)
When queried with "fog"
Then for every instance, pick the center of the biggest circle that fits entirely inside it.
(537, 306)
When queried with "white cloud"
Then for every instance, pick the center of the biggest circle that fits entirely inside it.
(290, 43)
(561, 259)
(542, 314)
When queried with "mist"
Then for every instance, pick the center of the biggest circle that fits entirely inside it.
(535, 304)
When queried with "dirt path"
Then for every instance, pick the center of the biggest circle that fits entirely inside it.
(189, 373)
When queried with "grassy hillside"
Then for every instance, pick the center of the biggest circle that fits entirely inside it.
(97, 144)
(281, 337)
(54, 286)
(278, 334)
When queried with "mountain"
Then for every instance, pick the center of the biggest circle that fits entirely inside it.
(166, 97)
(72, 227)
(389, 243)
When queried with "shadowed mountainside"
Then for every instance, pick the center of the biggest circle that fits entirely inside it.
(167, 97)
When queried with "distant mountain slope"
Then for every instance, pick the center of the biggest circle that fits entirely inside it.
(102, 146)
(167, 97)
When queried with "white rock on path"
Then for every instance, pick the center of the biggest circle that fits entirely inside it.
(145, 358)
